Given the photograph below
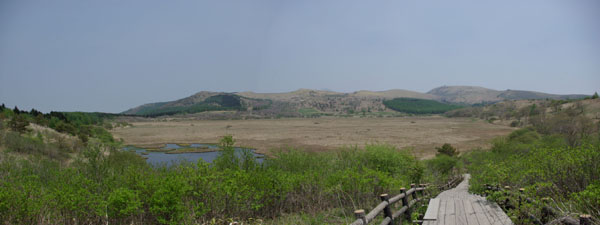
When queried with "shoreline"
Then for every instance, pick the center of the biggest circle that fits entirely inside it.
(185, 149)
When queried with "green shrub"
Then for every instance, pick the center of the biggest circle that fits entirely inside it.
(447, 149)
(166, 203)
(19, 123)
(546, 165)
(524, 135)
(589, 197)
(441, 165)
(123, 202)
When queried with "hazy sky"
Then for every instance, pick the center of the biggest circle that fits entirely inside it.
(113, 55)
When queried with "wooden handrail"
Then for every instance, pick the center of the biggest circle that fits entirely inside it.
(386, 204)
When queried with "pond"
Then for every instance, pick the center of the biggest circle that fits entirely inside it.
(160, 158)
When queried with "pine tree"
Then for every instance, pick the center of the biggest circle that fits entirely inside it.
(595, 96)
(18, 123)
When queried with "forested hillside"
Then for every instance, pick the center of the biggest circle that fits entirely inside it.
(217, 102)
(418, 106)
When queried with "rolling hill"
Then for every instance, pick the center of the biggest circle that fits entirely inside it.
(477, 95)
(199, 102)
(318, 102)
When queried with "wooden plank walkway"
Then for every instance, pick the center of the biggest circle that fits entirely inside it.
(457, 206)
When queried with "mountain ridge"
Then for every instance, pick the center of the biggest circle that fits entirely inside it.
(329, 102)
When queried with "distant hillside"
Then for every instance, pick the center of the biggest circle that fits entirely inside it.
(306, 102)
(200, 102)
(476, 95)
(394, 93)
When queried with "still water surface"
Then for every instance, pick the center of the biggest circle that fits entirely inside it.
(161, 158)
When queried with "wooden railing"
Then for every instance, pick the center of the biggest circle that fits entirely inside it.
(408, 198)
(546, 211)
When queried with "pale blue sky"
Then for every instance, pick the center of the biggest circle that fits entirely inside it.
(112, 55)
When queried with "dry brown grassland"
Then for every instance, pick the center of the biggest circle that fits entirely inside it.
(422, 134)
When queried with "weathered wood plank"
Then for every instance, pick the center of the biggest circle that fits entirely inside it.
(457, 206)
(442, 213)
(485, 205)
(430, 223)
(479, 212)
(432, 209)
(461, 216)
(498, 213)
(450, 217)
(470, 212)
(491, 212)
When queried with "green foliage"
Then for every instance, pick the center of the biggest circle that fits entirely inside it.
(524, 136)
(418, 106)
(545, 164)
(447, 149)
(19, 123)
(595, 96)
(166, 203)
(590, 196)
(80, 124)
(123, 202)
(442, 164)
(109, 186)
(227, 158)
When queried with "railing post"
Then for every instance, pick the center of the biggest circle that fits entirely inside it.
(414, 194)
(360, 214)
(585, 219)
(387, 211)
(405, 203)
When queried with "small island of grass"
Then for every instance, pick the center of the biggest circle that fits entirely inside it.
(191, 150)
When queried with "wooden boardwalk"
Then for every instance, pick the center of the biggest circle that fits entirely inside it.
(457, 206)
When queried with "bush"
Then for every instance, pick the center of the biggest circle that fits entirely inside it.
(590, 197)
(15, 142)
(447, 149)
(19, 123)
(442, 165)
(123, 202)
